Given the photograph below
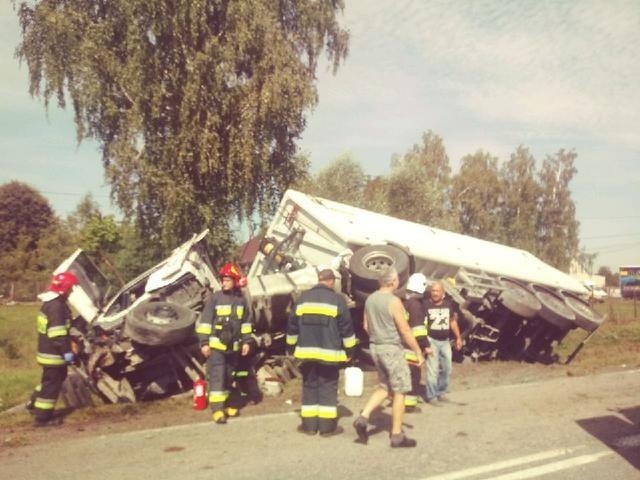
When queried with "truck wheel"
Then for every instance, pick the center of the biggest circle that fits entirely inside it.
(554, 309)
(586, 317)
(160, 323)
(518, 299)
(369, 261)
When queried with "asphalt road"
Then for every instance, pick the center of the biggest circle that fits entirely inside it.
(562, 428)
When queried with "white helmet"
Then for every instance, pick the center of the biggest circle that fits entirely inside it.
(417, 283)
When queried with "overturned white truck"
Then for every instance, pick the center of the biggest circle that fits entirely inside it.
(140, 343)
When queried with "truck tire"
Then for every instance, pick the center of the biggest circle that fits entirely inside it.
(554, 309)
(369, 261)
(518, 299)
(586, 317)
(160, 323)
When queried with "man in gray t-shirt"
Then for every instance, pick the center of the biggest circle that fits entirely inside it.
(385, 320)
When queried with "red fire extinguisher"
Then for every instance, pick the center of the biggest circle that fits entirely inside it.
(199, 394)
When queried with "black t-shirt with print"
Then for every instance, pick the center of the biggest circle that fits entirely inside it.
(439, 318)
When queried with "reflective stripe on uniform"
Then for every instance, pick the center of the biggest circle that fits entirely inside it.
(60, 331)
(327, 411)
(223, 310)
(218, 396)
(41, 323)
(44, 403)
(292, 339)
(410, 356)
(203, 328)
(313, 308)
(239, 311)
(49, 359)
(322, 354)
(349, 342)
(419, 331)
(241, 373)
(309, 411)
(245, 328)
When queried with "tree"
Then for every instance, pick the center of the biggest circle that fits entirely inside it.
(342, 180)
(419, 184)
(557, 227)
(520, 192)
(477, 197)
(196, 105)
(611, 279)
(24, 214)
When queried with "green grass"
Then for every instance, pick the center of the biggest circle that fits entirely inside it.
(19, 371)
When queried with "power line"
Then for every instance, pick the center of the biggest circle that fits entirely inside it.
(612, 236)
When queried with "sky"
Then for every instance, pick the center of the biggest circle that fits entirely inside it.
(489, 75)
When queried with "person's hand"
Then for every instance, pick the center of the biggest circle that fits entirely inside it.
(206, 350)
(420, 360)
(69, 357)
(428, 351)
(245, 349)
(458, 344)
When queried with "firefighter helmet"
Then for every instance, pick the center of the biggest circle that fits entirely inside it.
(232, 271)
(61, 283)
(417, 283)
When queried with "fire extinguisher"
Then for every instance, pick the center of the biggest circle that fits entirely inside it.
(199, 394)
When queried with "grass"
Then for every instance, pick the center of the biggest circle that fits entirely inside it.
(18, 338)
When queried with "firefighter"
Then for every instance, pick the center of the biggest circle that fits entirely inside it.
(320, 334)
(413, 304)
(224, 331)
(54, 348)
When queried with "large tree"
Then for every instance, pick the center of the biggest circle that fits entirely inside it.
(477, 197)
(419, 184)
(343, 180)
(24, 214)
(196, 105)
(520, 194)
(557, 227)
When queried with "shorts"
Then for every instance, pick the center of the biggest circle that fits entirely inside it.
(393, 371)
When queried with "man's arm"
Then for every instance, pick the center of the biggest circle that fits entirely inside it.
(456, 330)
(399, 315)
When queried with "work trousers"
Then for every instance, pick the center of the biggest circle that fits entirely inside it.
(246, 382)
(220, 368)
(411, 398)
(319, 409)
(45, 395)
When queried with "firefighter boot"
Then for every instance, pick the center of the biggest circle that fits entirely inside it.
(219, 417)
(231, 412)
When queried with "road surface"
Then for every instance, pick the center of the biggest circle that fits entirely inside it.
(561, 428)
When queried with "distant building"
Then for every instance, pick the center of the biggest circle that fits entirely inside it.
(580, 273)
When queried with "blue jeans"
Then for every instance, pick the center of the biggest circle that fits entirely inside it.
(438, 368)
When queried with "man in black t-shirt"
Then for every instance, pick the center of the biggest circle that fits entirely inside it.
(442, 320)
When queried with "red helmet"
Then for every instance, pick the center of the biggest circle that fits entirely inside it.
(61, 283)
(232, 271)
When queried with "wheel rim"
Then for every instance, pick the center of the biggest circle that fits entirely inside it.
(162, 315)
(377, 262)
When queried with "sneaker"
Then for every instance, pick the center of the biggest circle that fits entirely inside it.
(401, 441)
(332, 433)
(361, 424)
(49, 422)
(301, 429)
(444, 398)
(219, 417)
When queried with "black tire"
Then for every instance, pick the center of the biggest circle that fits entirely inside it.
(586, 317)
(160, 323)
(518, 299)
(369, 261)
(554, 309)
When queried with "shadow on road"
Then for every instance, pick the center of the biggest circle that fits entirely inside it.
(622, 435)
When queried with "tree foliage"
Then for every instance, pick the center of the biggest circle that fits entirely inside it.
(476, 196)
(520, 193)
(24, 215)
(419, 184)
(196, 105)
(557, 227)
(343, 180)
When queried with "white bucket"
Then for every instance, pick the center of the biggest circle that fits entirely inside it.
(353, 381)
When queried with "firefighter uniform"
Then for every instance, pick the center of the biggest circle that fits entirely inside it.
(415, 310)
(319, 330)
(224, 326)
(53, 323)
